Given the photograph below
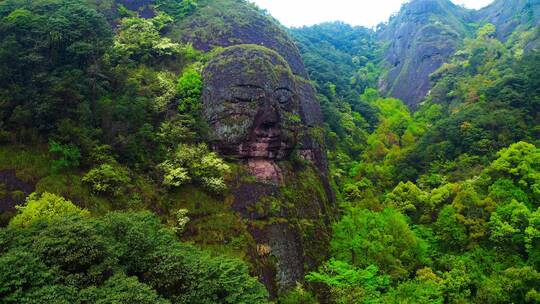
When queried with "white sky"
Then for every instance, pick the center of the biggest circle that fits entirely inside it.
(357, 12)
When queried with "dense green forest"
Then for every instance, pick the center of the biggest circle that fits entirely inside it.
(115, 186)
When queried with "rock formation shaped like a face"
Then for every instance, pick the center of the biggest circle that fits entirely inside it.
(263, 112)
(251, 102)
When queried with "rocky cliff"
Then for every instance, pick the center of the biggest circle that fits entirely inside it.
(226, 23)
(425, 33)
(265, 117)
(507, 16)
(419, 39)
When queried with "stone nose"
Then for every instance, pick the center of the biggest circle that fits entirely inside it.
(269, 117)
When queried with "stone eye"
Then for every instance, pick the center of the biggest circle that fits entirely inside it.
(283, 96)
(246, 94)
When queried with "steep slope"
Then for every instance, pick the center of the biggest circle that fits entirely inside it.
(211, 27)
(420, 38)
(335, 52)
(507, 16)
(342, 61)
(129, 98)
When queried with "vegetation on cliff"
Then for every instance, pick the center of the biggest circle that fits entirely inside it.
(112, 188)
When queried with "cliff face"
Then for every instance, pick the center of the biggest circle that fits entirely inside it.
(226, 23)
(419, 39)
(425, 33)
(507, 16)
(265, 118)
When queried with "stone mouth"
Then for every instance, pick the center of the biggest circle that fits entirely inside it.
(268, 139)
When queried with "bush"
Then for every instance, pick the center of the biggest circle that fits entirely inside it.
(68, 156)
(195, 163)
(108, 179)
(384, 239)
(189, 90)
(44, 207)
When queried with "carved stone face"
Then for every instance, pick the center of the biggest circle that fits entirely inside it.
(251, 103)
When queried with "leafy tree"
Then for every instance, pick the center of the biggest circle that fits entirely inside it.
(410, 200)
(189, 88)
(109, 179)
(120, 289)
(363, 238)
(508, 224)
(48, 51)
(521, 163)
(45, 206)
(349, 284)
(119, 258)
(139, 41)
(472, 211)
(68, 156)
(177, 9)
(451, 233)
(532, 238)
(516, 284)
(195, 163)
(298, 296)
(416, 291)
(23, 276)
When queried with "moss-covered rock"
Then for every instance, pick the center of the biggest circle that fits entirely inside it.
(210, 27)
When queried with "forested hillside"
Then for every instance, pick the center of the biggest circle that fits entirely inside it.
(197, 151)
(440, 197)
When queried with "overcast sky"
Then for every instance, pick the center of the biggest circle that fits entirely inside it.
(357, 12)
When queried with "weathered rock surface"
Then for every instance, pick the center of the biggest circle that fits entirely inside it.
(509, 15)
(13, 191)
(425, 33)
(222, 23)
(265, 116)
(420, 38)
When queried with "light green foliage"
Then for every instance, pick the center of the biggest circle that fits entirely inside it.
(139, 41)
(508, 224)
(389, 142)
(516, 284)
(167, 92)
(451, 233)
(178, 129)
(363, 238)
(472, 211)
(487, 31)
(195, 163)
(532, 238)
(410, 200)
(110, 179)
(181, 220)
(349, 284)
(417, 291)
(189, 88)
(44, 207)
(504, 191)
(298, 295)
(457, 283)
(521, 163)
